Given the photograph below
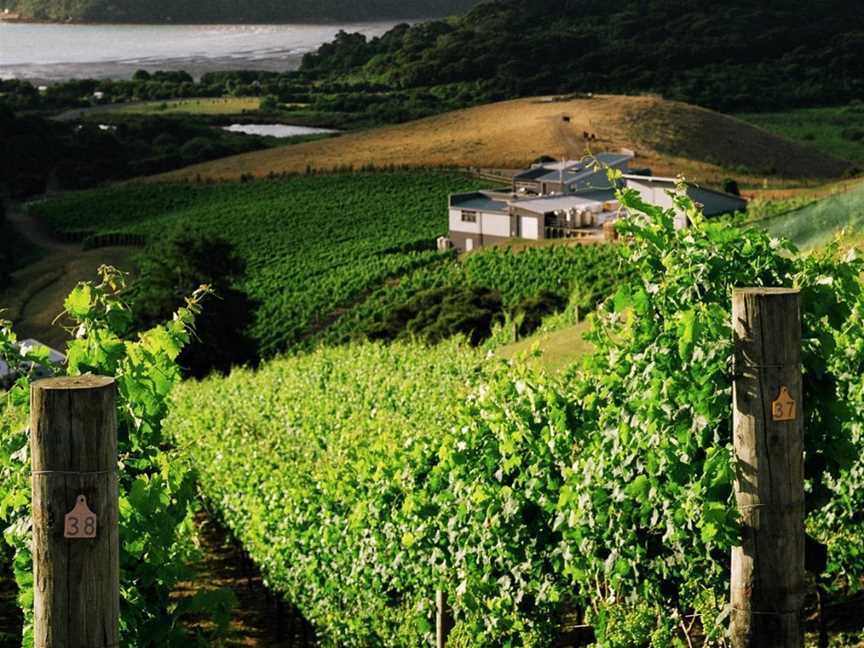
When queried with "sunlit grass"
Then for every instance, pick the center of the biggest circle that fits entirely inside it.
(558, 349)
(204, 106)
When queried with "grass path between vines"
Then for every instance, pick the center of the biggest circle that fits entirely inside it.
(259, 619)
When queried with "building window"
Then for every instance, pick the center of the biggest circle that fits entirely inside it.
(469, 216)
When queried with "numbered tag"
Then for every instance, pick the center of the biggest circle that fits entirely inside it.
(783, 409)
(80, 522)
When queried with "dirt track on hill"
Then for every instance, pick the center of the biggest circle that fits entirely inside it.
(36, 296)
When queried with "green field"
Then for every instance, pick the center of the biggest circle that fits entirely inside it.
(558, 349)
(837, 131)
(839, 215)
(203, 106)
(312, 244)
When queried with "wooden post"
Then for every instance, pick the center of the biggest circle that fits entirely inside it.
(443, 619)
(767, 588)
(74, 448)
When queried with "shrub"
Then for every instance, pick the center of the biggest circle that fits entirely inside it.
(853, 134)
(269, 104)
(440, 313)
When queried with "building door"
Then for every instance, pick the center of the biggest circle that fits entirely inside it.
(469, 244)
(529, 228)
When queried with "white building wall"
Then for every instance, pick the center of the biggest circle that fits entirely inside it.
(658, 195)
(456, 224)
(492, 224)
(495, 224)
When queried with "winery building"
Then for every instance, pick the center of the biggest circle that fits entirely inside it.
(535, 208)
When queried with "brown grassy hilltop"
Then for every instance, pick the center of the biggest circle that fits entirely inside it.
(669, 137)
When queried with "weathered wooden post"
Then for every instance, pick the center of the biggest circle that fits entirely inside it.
(75, 539)
(768, 568)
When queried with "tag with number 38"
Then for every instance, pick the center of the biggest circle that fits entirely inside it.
(80, 522)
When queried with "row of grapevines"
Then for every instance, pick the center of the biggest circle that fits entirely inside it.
(364, 478)
(312, 244)
(309, 462)
(586, 273)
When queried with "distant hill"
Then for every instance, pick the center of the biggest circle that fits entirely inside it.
(734, 56)
(669, 137)
(235, 11)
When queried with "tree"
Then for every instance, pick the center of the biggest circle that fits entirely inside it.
(269, 104)
(175, 265)
(730, 186)
(439, 313)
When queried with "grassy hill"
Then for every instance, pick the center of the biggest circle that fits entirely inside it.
(669, 137)
(228, 11)
(840, 214)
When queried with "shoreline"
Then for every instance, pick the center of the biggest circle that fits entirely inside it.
(323, 22)
(133, 47)
(15, 19)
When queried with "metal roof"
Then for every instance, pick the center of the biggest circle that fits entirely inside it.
(583, 172)
(478, 201)
(531, 174)
(600, 195)
(613, 159)
(573, 169)
(655, 179)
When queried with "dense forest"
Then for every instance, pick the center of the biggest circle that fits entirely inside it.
(234, 11)
(724, 55)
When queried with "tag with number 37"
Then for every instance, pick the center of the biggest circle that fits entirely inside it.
(783, 409)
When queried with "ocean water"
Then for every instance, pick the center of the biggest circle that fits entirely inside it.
(52, 52)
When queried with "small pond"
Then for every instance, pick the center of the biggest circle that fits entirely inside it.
(277, 130)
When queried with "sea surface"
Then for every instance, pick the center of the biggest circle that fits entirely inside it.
(52, 52)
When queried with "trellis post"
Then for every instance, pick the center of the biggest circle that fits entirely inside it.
(767, 588)
(75, 508)
(443, 619)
